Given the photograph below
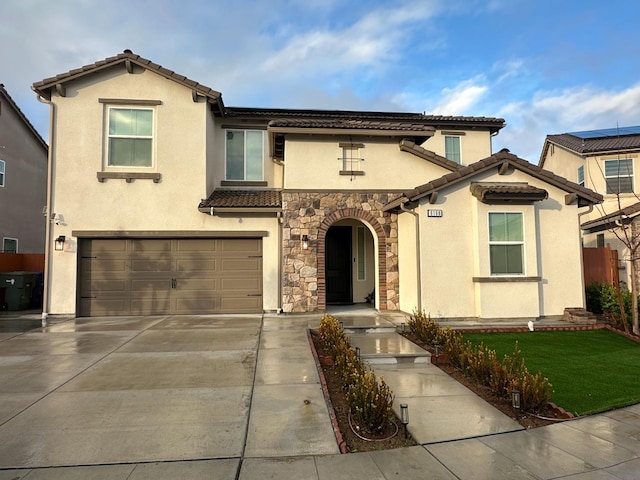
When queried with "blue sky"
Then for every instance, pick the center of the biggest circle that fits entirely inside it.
(544, 66)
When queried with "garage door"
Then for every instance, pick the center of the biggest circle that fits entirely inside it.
(170, 276)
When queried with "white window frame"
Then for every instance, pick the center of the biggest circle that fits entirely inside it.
(3, 173)
(4, 240)
(581, 175)
(506, 243)
(457, 154)
(109, 136)
(619, 175)
(244, 148)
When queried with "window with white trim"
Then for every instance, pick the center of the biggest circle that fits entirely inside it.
(2, 173)
(245, 155)
(581, 175)
(506, 243)
(618, 175)
(10, 245)
(130, 137)
(452, 148)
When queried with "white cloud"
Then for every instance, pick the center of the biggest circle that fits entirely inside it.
(461, 99)
(575, 109)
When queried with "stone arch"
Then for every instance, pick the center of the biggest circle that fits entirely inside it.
(364, 216)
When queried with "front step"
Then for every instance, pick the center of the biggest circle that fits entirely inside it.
(387, 347)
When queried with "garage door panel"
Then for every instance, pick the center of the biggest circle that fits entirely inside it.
(164, 276)
(241, 304)
(231, 265)
(250, 285)
(248, 246)
(196, 264)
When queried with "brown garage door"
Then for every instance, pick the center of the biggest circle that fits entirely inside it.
(170, 276)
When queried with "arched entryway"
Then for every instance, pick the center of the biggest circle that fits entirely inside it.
(351, 259)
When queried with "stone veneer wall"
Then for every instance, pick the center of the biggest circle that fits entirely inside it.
(311, 214)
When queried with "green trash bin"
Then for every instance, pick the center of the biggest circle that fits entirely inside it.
(18, 287)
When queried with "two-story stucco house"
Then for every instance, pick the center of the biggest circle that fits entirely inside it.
(23, 180)
(169, 201)
(605, 161)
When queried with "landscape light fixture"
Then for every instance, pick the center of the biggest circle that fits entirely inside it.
(515, 401)
(305, 242)
(60, 243)
(437, 353)
(404, 418)
(358, 353)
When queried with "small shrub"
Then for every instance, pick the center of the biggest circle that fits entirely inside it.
(371, 401)
(425, 329)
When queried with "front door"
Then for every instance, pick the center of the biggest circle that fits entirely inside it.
(338, 265)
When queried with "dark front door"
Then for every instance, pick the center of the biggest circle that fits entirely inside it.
(338, 265)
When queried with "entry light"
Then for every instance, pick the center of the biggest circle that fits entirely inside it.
(60, 243)
(305, 242)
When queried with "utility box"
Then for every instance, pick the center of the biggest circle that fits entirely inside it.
(18, 288)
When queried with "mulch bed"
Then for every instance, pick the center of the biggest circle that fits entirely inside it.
(352, 443)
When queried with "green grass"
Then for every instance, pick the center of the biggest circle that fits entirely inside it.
(590, 370)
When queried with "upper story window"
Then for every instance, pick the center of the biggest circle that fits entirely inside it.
(2, 165)
(245, 155)
(130, 137)
(618, 175)
(506, 243)
(10, 245)
(581, 175)
(351, 159)
(452, 148)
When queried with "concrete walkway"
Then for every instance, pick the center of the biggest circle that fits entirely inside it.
(238, 397)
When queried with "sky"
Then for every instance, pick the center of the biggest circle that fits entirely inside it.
(546, 67)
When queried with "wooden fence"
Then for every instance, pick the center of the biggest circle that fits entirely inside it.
(600, 265)
(21, 262)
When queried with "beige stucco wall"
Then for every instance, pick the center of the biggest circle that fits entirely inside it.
(182, 153)
(474, 144)
(385, 166)
(455, 249)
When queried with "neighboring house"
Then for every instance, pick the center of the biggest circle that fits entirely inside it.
(23, 180)
(168, 201)
(605, 161)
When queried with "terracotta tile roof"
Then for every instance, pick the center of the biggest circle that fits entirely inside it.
(44, 87)
(243, 199)
(486, 192)
(599, 144)
(608, 221)
(23, 117)
(344, 123)
(411, 147)
(502, 159)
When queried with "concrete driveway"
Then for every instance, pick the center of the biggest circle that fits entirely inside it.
(103, 391)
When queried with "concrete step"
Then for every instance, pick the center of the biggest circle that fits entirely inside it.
(387, 347)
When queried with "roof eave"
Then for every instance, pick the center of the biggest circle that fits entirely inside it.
(352, 131)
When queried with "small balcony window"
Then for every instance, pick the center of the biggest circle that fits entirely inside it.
(351, 159)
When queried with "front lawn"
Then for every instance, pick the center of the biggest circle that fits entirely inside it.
(590, 370)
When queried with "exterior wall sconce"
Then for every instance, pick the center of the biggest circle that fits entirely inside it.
(305, 242)
(404, 418)
(515, 401)
(60, 243)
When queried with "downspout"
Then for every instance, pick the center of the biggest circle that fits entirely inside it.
(418, 262)
(47, 228)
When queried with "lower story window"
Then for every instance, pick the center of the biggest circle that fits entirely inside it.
(506, 243)
(10, 245)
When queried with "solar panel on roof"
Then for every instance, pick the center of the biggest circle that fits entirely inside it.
(607, 132)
